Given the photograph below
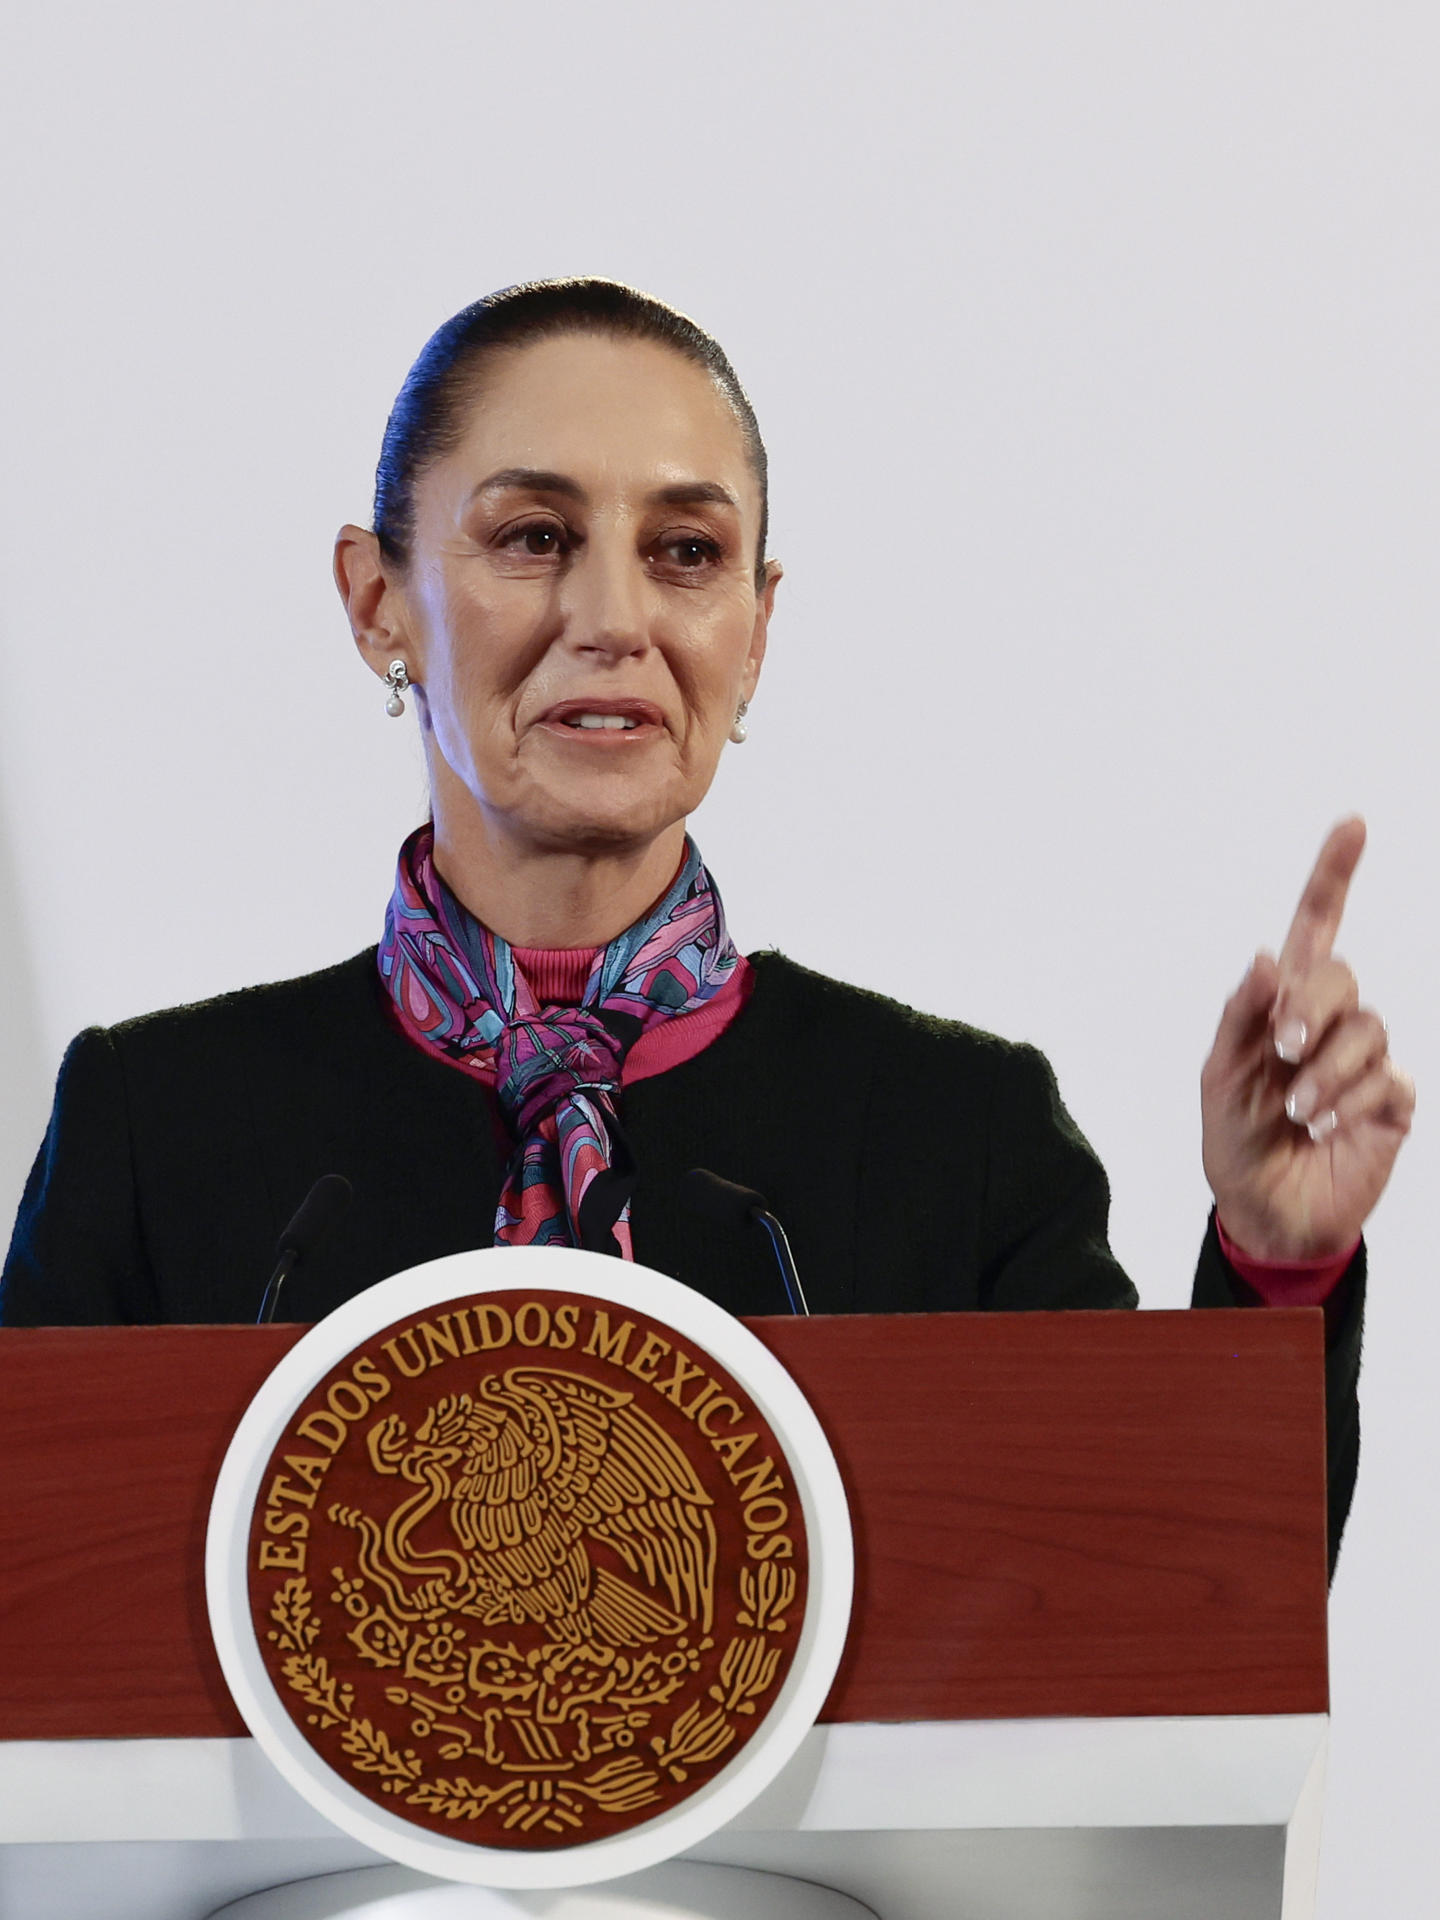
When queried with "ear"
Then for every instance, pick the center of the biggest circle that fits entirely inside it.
(764, 607)
(373, 601)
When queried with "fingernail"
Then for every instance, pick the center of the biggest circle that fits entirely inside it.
(1300, 1102)
(1290, 1040)
(1322, 1128)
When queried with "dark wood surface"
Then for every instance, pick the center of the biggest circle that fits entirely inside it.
(1055, 1514)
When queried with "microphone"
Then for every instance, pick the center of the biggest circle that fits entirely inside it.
(721, 1199)
(315, 1217)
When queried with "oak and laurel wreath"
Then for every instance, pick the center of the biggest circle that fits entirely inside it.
(697, 1737)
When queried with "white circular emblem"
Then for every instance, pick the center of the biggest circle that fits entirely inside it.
(529, 1568)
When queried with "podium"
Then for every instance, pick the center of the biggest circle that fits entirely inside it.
(1085, 1675)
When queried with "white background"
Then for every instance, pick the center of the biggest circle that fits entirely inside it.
(1094, 345)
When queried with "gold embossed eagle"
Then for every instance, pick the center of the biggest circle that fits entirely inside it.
(517, 1486)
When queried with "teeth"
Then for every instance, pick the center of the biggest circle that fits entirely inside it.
(614, 722)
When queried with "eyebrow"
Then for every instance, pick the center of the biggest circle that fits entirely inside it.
(695, 493)
(683, 493)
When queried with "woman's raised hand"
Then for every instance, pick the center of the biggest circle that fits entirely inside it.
(1303, 1108)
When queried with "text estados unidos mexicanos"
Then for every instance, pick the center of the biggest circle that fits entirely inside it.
(677, 1377)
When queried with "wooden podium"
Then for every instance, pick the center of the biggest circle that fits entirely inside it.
(1086, 1673)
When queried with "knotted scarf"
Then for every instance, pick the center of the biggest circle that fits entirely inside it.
(459, 995)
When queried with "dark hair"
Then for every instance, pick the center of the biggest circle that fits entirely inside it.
(428, 417)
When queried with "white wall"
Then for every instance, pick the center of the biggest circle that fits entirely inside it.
(1095, 349)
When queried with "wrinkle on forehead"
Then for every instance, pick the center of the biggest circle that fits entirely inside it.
(596, 411)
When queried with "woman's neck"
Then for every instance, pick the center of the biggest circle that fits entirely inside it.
(543, 898)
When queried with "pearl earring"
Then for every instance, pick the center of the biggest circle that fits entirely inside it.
(739, 733)
(397, 680)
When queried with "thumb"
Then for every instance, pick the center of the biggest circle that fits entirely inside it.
(1245, 1023)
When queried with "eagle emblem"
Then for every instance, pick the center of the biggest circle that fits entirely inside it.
(543, 1616)
(530, 1476)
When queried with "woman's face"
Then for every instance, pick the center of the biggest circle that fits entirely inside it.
(579, 610)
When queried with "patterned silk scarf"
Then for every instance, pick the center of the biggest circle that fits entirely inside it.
(460, 996)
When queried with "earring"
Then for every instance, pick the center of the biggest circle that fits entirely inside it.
(397, 680)
(740, 732)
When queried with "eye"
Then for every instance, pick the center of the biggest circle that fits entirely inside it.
(535, 539)
(689, 552)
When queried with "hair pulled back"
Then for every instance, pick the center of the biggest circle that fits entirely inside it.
(429, 415)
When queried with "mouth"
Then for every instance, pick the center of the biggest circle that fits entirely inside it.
(603, 723)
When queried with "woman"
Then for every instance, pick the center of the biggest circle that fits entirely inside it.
(567, 576)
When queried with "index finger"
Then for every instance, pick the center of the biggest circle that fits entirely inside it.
(1317, 918)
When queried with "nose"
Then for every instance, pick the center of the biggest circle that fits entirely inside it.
(607, 601)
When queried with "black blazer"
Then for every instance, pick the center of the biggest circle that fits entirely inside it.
(918, 1166)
